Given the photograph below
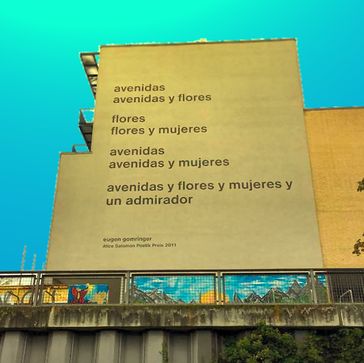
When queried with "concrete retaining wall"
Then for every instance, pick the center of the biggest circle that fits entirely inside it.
(107, 346)
(179, 316)
(148, 334)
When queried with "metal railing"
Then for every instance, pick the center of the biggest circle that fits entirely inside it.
(85, 123)
(183, 287)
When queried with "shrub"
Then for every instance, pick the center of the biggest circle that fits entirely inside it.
(264, 344)
(267, 344)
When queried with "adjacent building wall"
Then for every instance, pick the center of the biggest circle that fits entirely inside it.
(336, 144)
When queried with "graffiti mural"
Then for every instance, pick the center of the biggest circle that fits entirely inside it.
(173, 289)
(88, 294)
(14, 295)
(235, 288)
(55, 294)
(322, 288)
(273, 288)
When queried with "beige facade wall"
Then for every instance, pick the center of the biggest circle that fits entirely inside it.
(199, 161)
(337, 156)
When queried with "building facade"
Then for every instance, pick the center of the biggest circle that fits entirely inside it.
(207, 200)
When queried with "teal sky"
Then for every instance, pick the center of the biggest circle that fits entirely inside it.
(43, 84)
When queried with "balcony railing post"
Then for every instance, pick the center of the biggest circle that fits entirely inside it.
(218, 289)
(36, 290)
(313, 287)
(127, 288)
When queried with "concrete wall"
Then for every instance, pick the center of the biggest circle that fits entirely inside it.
(107, 346)
(148, 334)
(158, 317)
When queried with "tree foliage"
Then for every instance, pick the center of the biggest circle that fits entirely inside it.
(347, 345)
(268, 345)
(264, 344)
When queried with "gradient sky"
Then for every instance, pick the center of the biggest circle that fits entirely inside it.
(44, 86)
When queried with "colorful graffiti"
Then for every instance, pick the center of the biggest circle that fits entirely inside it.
(173, 289)
(55, 294)
(13, 295)
(88, 294)
(274, 288)
(237, 289)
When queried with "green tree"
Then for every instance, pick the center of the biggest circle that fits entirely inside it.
(264, 344)
(346, 345)
(267, 344)
(314, 349)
